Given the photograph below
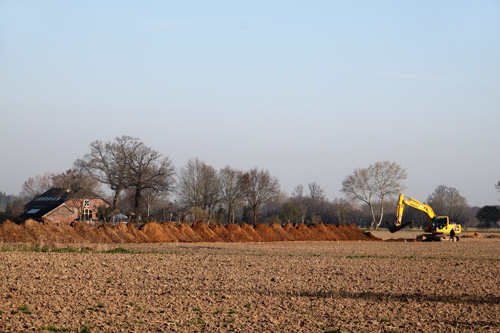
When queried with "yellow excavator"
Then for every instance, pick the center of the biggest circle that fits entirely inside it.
(438, 227)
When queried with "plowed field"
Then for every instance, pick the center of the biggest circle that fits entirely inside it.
(254, 287)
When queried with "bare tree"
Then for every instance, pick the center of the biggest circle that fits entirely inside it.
(210, 190)
(374, 186)
(33, 187)
(259, 187)
(315, 202)
(448, 201)
(303, 213)
(315, 191)
(109, 162)
(299, 200)
(189, 184)
(298, 192)
(147, 169)
(199, 188)
(150, 197)
(231, 192)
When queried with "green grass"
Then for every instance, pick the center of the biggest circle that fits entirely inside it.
(85, 329)
(118, 250)
(196, 321)
(368, 256)
(24, 309)
(61, 250)
(54, 329)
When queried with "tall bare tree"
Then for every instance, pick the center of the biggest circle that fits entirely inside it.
(147, 169)
(448, 201)
(298, 192)
(374, 186)
(210, 190)
(231, 192)
(189, 184)
(108, 162)
(199, 187)
(33, 187)
(150, 197)
(316, 192)
(259, 187)
(299, 200)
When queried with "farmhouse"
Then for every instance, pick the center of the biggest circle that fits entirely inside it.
(59, 205)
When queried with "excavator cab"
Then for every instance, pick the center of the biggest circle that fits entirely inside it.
(440, 224)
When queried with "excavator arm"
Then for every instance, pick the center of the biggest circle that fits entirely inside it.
(412, 203)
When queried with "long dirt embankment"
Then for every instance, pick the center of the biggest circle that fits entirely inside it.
(33, 232)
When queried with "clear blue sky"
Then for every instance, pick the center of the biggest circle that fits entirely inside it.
(309, 90)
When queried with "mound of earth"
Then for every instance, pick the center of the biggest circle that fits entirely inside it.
(472, 235)
(77, 232)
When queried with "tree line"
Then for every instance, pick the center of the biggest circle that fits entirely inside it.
(145, 184)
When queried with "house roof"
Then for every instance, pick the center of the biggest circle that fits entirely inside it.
(45, 203)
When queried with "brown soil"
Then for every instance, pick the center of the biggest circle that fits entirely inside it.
(472, 235)
(251, 287)
(32, 231)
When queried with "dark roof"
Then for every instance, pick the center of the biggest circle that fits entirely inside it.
(45, 203)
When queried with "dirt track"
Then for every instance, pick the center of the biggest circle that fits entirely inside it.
(252, 287)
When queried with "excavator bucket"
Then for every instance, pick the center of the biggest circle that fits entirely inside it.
(394, 228)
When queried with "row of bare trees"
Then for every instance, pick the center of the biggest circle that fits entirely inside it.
(127, 163)
(204, 188)
(143, 178)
